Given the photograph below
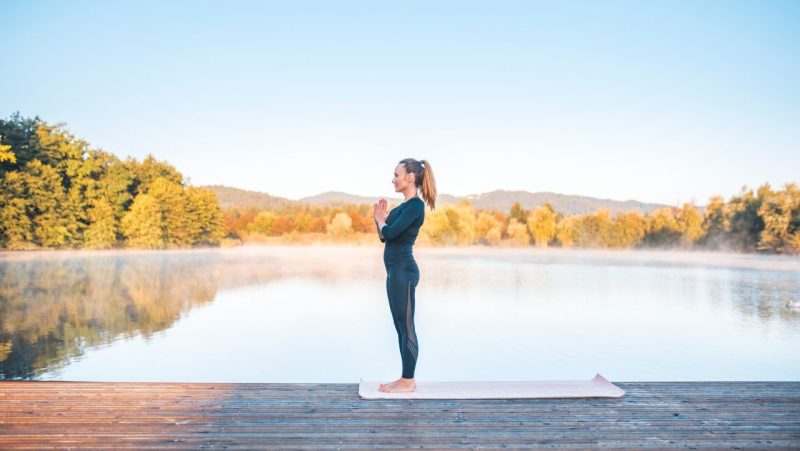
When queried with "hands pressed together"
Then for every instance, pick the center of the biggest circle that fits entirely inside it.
(381, 211)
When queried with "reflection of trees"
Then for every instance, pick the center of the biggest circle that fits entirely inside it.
(51, 310)
(53, 307)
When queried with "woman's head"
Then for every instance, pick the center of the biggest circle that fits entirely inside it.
(417, 173)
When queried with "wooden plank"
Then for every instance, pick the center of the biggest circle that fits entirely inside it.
(142, 415)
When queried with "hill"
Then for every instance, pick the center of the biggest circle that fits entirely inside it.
(501, 200)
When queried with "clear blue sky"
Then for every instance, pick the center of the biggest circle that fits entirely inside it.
(659, 101)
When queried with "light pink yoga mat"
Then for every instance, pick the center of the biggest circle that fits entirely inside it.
(597, 387)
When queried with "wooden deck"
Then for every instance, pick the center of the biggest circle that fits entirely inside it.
(723, 415)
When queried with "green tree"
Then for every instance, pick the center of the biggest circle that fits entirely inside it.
(19, 134)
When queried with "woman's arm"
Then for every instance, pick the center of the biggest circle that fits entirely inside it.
(380, 235)
(409, 214)
(380, 215)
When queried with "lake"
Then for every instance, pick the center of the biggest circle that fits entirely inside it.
(320, 314)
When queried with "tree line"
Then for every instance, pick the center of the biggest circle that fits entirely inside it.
(56, 192)
(765, 221)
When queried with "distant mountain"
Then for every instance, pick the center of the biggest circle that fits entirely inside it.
(501, 200)
(334, 198)
(235, 197)
(564, 203)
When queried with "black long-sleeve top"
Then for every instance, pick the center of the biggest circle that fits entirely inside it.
(402, 228)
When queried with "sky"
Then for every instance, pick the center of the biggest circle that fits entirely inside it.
(657, 101)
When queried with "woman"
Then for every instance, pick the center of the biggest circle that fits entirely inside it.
(399, 229)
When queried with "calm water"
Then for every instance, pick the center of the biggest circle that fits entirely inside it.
(320, 314)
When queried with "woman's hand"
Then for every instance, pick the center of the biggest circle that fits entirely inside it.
(380, 211)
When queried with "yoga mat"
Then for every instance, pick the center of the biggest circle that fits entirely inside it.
(597, 387)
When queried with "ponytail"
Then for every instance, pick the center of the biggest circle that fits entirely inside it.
(423, 178)
(428, 184)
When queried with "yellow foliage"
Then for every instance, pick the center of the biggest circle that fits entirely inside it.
(341, 225)
(451, 225)
(566, 230)
(488, 228)
(542, 224)
(690, 223)
(518, 233)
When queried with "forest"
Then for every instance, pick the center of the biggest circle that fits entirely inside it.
(58, 192)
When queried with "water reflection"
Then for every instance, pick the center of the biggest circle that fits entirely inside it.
(52, 310)
(318, 314)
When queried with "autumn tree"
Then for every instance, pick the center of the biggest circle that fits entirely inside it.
(488, 228)
(566, 229)
(743, 223)
(518, 233)
(714, 224)
(143, 226)
(262, 223)
(341, 225)
(518, 213)
(628, 229)
(662, 228)
(781, 214)
(56, 191)
(6, 154)
(690, 224)
(102, 230)
(542, 224)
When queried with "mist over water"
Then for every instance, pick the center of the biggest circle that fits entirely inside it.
(320, 314)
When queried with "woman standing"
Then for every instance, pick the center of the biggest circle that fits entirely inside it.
(399, 229)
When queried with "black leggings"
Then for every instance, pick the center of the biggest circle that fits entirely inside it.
(401, 279)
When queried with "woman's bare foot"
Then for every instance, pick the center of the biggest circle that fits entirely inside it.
(400, 385)
(390, 383)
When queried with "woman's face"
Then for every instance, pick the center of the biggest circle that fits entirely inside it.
(402, 179)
